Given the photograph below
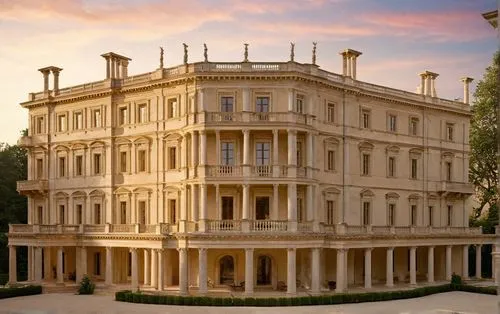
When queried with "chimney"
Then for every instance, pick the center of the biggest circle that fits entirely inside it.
(467, 81)
(349, 57)
(428, 83)
(116, 65)
(46, 72)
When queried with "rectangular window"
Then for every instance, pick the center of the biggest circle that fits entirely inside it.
(62, 166)
(449, 131)
(97, 214)
(413, 126)
(331, 160)
(78, 120)
(40, 127)
(391, 167)
(300, 210)
(122, 116)
(97, 264)
(448, 171)
(62, 218)
(299, 154)
(226, 104)
(330, 113)
(431, 216)
(39, 215)
(172, 154)
(262, 154)
(123, 161)
(171, 209)
(227, 153)
(330, 212)
(414, 170)
(142, 114)
(392, 123)
(142, 212)
(123, 213)
(78, 165)
(413, 215)
(79, 214)
(96, 118)
(61, 123)
(141, 155)
(97, 164)
(449, 220)
(391, 215)
(366, 213)
(299, 104)
(39, 168)
(365, 164)
(262, 104)
(365, 119)
(172, 108)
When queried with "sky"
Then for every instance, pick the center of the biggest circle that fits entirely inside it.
(398, 39)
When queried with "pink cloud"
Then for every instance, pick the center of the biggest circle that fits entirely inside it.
(299, 29)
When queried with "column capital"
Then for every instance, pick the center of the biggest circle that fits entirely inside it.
(431, 246)
(245, 131)
(290, 249)
(181, 249)
(413, 248)
(449, 246)
(368, 249)
(202, 249)
(249, 249)
(390, 248)
(132, 250)
(276, 131)
(292, 131)
(276, 185)
(478, 245)
(202, 132)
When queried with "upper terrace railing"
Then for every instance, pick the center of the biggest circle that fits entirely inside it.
(280, 68)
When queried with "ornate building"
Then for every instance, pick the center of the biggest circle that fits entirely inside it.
(246, 175)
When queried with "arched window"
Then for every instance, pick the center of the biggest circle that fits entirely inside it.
(264, 270)
(226, 270)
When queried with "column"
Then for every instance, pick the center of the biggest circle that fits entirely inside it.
(12, 264)
(310, 202)
(291, 280)
(246, 99)
(194, 202)
(83, 261)
(183, 271)
(194, 149)
(56, 80)
(248, 271)
(275, 210)
(203, 207)
(201, 100)
(478, 261)
(246, 150)
(422, 84)
(465, 262)
(147, 268)
(203, 147)
(340, 271)
(413, 265)
(433, 86)
(310, 150)
(353, 65)
(47, 264)
(349, 68)
(160, 274)
(183, 207)
(428, 87)
(108, 72)
(389, 267)
(38, 264)
(217, 199)
(60, 278)
(315, 270)
(430, 264)
(292, 205)
(276, 165)
(45, 80)
(135, 278)
(246, 201)
(344, 64)
(202, 270)
(368, 268)
(292, 148)
(217, 147)
(109, 266)
(290, 100)
(154, 268)
(448, 262)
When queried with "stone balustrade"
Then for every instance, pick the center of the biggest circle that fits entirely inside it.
(216, 226)
(38, 186)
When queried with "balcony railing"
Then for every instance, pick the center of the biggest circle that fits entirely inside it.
(456, 187)
(268, 225)
(224, 171)
(27, 186)
(223, 225)
(262, 170)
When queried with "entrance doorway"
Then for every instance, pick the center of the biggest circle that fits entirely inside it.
(227, 208)
(226, 270)
(262, 207)
(264, 269)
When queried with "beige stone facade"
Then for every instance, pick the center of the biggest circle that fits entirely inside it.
(253, 176)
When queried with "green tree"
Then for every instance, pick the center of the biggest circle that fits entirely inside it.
(483, 172)
(13, 207)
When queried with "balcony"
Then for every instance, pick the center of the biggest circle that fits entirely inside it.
(32, 186)
(455, 187)
(255, 171)
(255, 117)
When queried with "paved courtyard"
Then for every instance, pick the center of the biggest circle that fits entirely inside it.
(444, 303)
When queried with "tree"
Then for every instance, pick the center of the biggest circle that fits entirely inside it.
(483, 172)
(13, 207)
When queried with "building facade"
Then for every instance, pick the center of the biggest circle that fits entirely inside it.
(245, 175)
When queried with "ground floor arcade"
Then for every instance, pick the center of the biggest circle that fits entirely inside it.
(248, 269)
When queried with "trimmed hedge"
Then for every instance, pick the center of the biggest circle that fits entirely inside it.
(129, 296)
(17, 292)
(4, 278)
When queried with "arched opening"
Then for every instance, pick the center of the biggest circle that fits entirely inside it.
(264, 270)
(226, 270)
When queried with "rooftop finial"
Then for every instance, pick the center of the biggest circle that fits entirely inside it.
(161, 57)
(314, 53)
(185, 53)
(246, 53)
(292, 51)
(205, 52)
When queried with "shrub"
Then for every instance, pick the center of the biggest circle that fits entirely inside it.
(249, 301)
(204, 301)
(456, 280)
(86, 286)
(238, 302)
(4, 278)
(20, 291)
(188, 300)
(227, 302)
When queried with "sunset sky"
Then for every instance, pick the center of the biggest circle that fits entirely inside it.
(398, 39)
